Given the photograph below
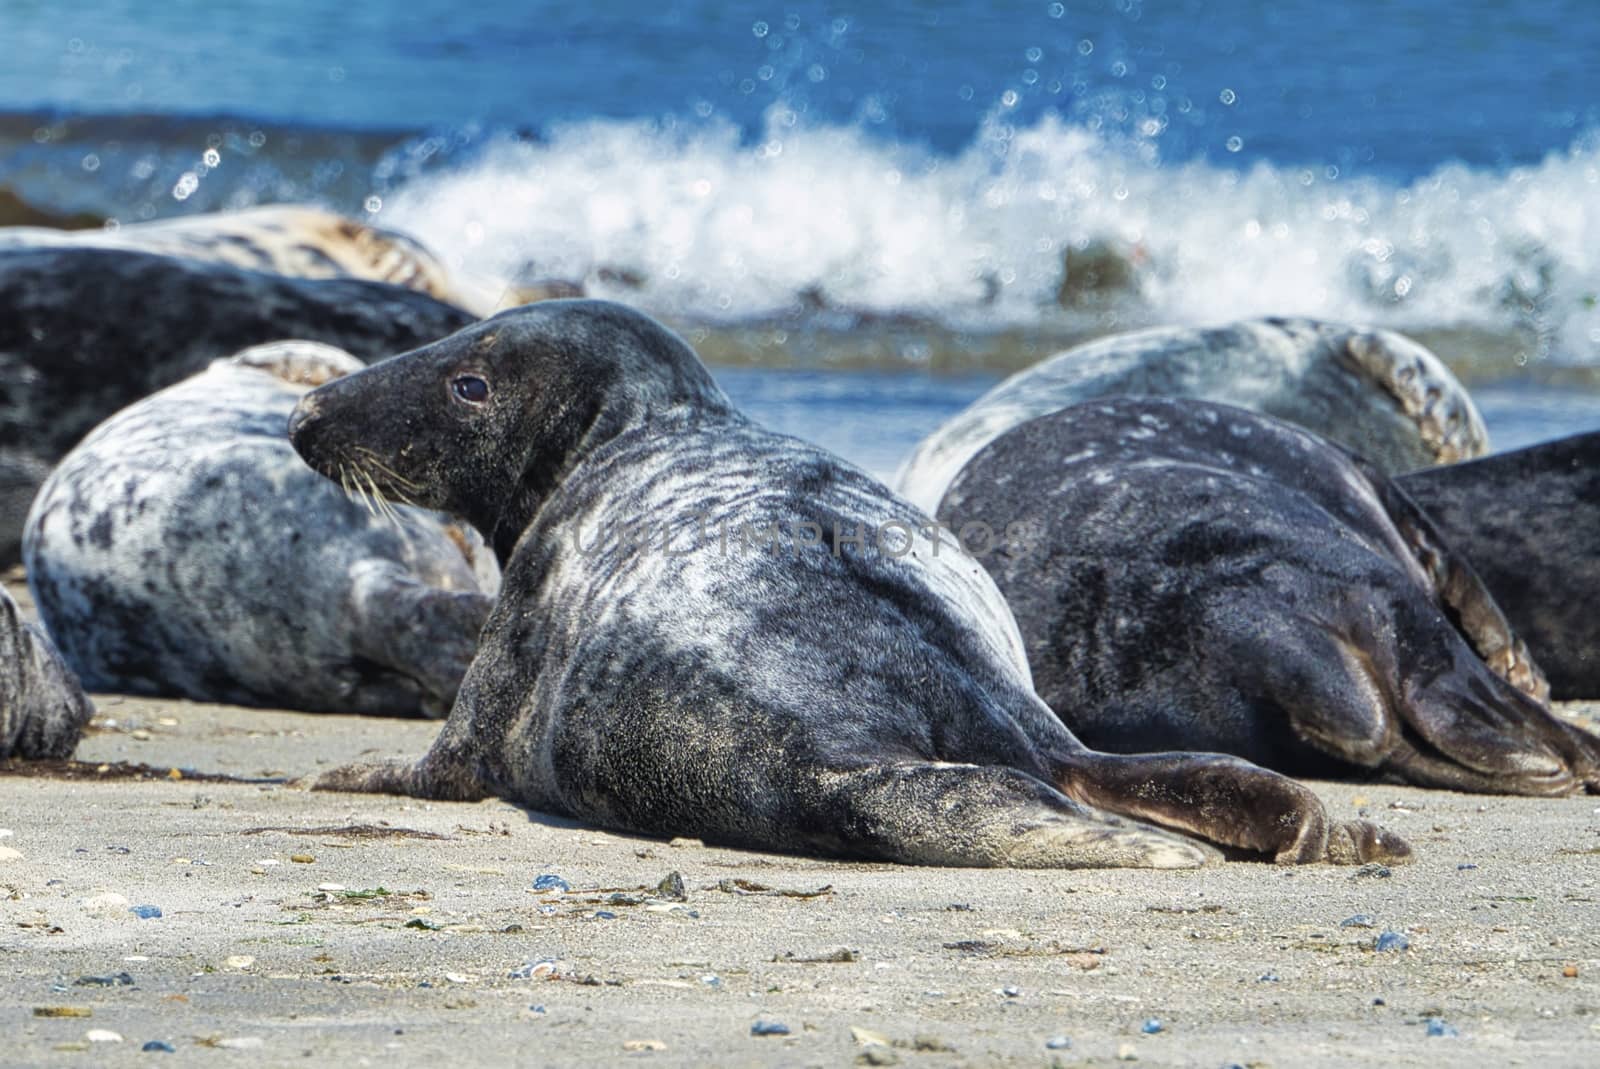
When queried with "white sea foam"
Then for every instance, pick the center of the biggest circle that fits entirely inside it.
(722, 229)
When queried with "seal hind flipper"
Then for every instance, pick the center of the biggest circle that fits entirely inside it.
(1229, 801)
(927, 813)
(1424, 389)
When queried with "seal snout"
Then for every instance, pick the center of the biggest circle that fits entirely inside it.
(306, 429)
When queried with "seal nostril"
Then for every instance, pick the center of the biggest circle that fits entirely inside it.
(302, 425)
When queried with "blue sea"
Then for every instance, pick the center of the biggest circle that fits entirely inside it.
(875, 208)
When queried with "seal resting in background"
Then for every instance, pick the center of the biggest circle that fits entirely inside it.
(1206, 578)
(1529, 522)
(692, 637)
(1375, 391)
(184, 549)
(43, 710)
(85, 332)
(293, 240)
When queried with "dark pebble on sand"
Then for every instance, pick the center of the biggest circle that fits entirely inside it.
(1464, 866)
(1058, 1043)
(156, 1046)
(1360, 920)
(1151, 1026)
(1267, 978)
(1437, 1026)
(120, 979)
(1011, 992)
(146, 913)
(769, 1028)
(549, 881)
(1391, 941)
(671, 886)
(1373, 869)
(604, 915)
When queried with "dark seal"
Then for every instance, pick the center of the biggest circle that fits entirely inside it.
(184, 549)
(43, 709)
(1529, 521)
(708, 629)
(1375, 391)
(1206, 578)
(87, 331)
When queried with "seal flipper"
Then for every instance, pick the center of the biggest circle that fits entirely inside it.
(1462, 593)
(297, 361)
(926, 813)
(423, 632)
(1228, 801)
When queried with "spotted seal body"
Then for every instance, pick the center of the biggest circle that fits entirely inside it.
(43, 709)
(1206, 578)
(709, 629)
(1529, 521)
(1375, 391)
(184, 549)
(85, 332)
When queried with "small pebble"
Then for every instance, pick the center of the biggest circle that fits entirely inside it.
(8, 854)
(303, 859)
(1360, 920)
(1126, 1053)
(1373, 869)
(1438, 1027)
(1379, 1002)
(109, 900)
(1011, 992)
(1464, 866)
(1391, 941)
(120, 979)
(146, 913)
(866, 1037)
(1151, 1026)
(239, 961)
(643, 1045)
(769, 1028)
(102, 1035)
(1267, 978)
(604, 915)
(241, 1043)
(1570, 972)
(549, 881)
(877, 1056)
(156, 1046)
(1058, 1043)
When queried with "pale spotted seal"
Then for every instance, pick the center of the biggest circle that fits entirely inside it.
(1529, 521)
(855, 687)
(1378, 392)
(1206, 578)
(184, 549)
(43, 709)
(84, 332)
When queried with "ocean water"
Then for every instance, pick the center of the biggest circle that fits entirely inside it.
(961, 187)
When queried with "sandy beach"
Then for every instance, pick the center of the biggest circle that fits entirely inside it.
(305, 928)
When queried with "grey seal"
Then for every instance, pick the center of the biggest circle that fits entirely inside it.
(1529, 521)
(1377, 392)
(1207, 578)
(43, 709)
(709, 629)
(293, 240)
(87, 331)
(184, 549)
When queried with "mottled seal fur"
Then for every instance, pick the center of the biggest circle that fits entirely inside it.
(811, 693)
(43, 709)
(1375, 391)
(1207, 578)
(85, 332)
(1529, 521)
(184, 549)
(296, 241)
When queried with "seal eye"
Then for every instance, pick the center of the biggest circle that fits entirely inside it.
(471, 389)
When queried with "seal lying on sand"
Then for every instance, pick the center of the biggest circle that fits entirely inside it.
(184, 549)
(84, 332)
(1529, 521)
(708, 629)
(1206, 578)
(297, 241)
(43, 710)
(1375, 391)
